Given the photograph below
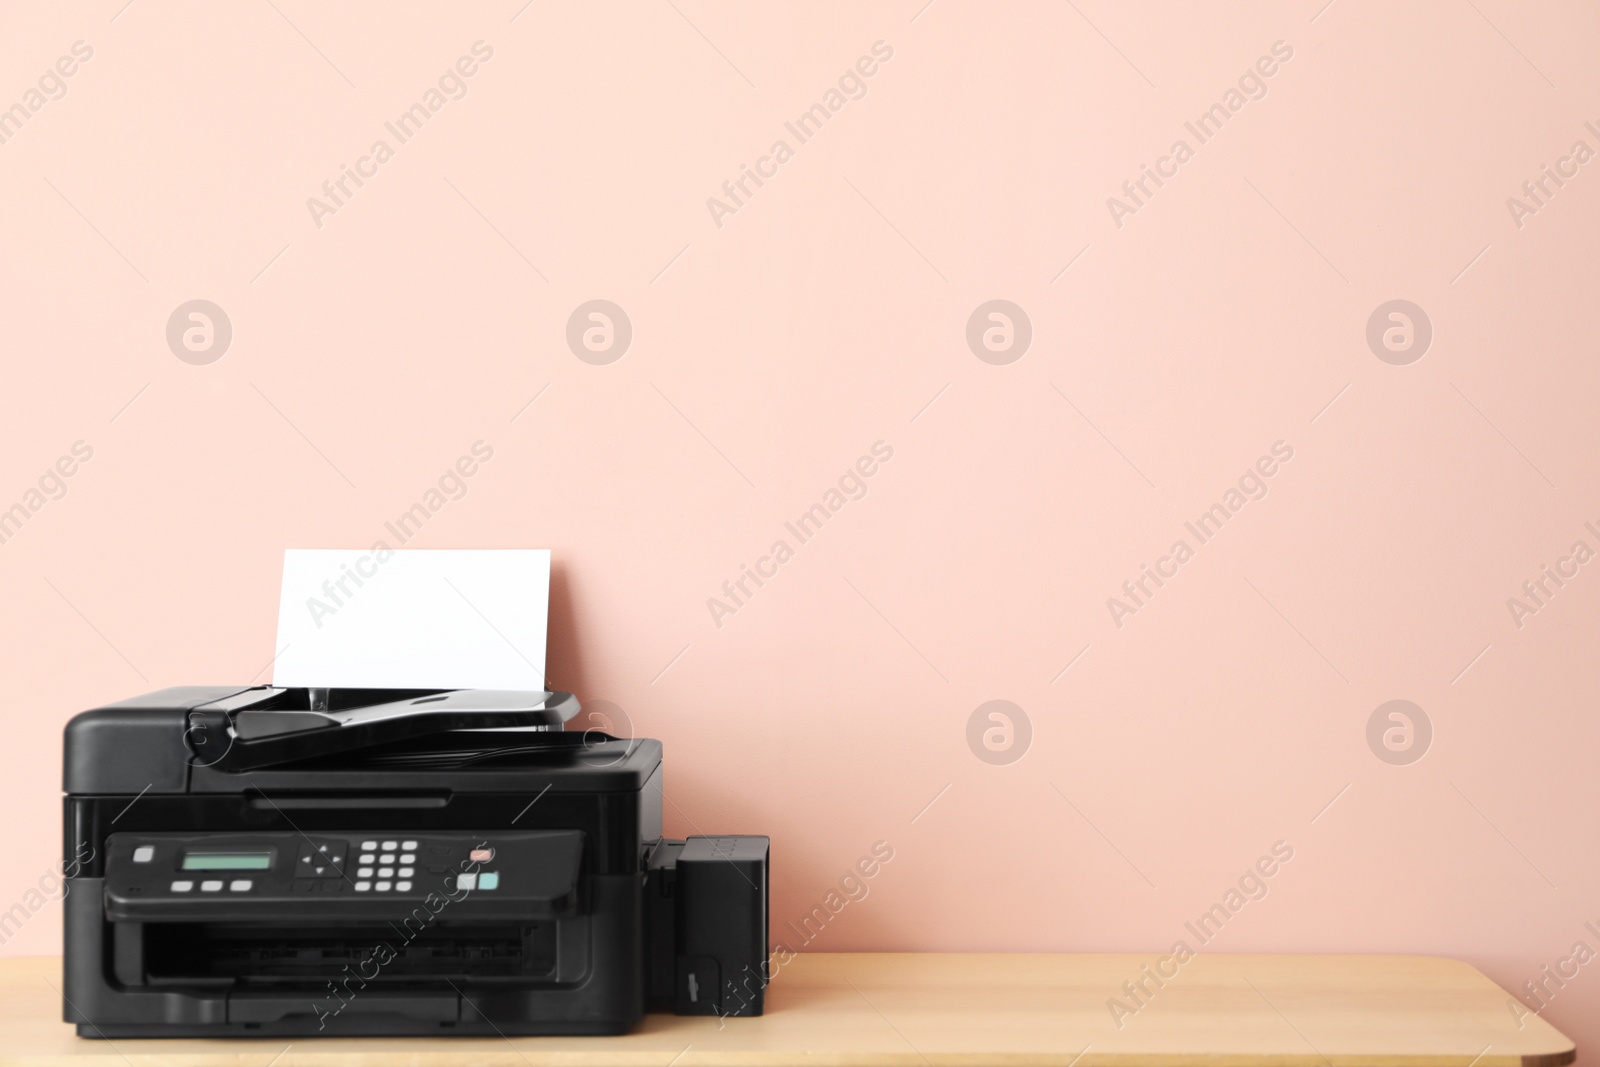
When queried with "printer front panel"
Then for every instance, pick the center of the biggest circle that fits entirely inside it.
(422, 927)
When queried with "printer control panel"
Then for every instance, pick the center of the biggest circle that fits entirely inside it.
(394, 865)
(186, 875)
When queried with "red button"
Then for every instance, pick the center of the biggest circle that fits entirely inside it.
(481, 855)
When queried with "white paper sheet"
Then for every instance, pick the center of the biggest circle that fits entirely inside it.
(414, 619)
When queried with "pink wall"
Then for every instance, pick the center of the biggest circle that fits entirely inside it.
(776, 342)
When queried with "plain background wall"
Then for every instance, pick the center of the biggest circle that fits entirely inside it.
(827, 313)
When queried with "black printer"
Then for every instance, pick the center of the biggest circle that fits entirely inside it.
(293, 862)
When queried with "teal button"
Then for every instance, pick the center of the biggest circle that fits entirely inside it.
(489, 880)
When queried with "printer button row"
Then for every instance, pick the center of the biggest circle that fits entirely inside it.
(317, 885)
(383, 887)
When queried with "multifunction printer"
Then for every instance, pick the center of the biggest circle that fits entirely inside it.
(256, 861)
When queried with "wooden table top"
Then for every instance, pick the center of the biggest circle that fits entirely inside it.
(939, 1010)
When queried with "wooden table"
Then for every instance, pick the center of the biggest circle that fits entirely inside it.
(830, 1010)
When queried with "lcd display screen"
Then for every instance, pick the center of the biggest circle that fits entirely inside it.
(227, 861)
